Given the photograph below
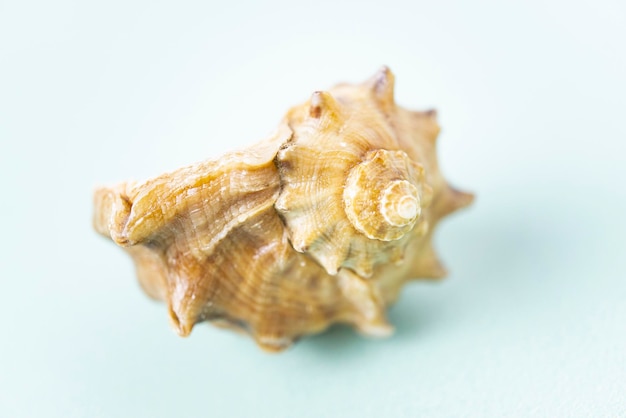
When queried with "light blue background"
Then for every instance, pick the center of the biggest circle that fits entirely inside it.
(532, 100)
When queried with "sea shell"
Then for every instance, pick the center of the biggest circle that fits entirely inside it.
(321, 223)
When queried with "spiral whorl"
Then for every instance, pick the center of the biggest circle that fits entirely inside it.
(380, 196)
(400, 203)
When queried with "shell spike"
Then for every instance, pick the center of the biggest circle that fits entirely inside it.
(382, 85)
(364, 267)
(454, 199)
(323, 104)
(431, 113)
(428, 122)
(331, 257)
(181, 324)
(461, 198)
(396, 255)
(112, 218)
(368, 305)
(184, 306)
(427, 265)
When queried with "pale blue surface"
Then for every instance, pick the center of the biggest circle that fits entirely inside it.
(532, 319)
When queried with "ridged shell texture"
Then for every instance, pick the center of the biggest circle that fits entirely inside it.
(321, 223)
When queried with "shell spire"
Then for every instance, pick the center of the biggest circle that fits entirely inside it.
(321, 223)
(381, 195)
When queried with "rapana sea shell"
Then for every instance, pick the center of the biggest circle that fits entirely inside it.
(321, 223)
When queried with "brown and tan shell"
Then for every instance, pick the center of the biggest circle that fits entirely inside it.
(321, 223)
